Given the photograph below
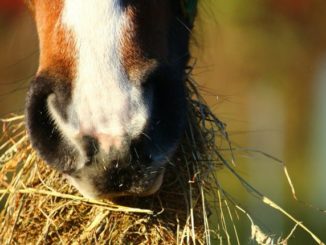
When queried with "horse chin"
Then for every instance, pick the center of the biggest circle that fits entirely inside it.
(96, 181)
(153, 187)
(140, 191)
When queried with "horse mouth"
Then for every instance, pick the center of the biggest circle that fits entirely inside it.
(146, 188)
(108, 183)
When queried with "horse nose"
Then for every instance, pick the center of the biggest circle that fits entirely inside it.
(90, 145)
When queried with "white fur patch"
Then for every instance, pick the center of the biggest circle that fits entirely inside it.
(105, 104)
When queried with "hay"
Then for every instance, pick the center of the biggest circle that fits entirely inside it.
(39, 207)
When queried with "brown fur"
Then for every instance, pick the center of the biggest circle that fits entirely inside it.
(144, 41)
(141, 47)
(57, 51)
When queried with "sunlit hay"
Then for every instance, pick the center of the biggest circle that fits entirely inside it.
(39, 207)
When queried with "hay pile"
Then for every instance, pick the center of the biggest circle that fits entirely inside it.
(39, 207)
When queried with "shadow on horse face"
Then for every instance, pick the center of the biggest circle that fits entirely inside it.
(108, 105)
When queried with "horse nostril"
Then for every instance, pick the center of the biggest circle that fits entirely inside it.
(90, 146)
(44, 134)
(104, 148)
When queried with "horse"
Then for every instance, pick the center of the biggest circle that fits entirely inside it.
(107, 107)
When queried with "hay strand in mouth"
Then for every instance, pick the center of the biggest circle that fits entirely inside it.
(39, 207)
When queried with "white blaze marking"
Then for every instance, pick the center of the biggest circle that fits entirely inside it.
(104, 102)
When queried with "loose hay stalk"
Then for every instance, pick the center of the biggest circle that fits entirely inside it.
(39, 207)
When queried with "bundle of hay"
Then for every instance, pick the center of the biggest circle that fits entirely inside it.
(39, 207)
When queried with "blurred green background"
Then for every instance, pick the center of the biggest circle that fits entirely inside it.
(261, 66)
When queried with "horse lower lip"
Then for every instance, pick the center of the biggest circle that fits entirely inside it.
(147, 192)
(155, 185)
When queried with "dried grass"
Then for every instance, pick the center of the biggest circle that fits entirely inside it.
(39, 207)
